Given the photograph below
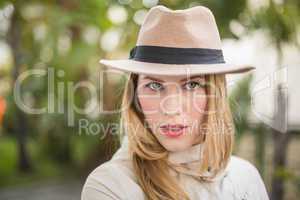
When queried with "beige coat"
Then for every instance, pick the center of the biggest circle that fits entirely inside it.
(115, 180)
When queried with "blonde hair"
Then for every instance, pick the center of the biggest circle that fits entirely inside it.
(149, 157)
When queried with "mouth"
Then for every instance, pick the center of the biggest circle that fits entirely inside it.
(173, 130)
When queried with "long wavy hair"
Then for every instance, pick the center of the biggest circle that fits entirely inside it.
(149, 157)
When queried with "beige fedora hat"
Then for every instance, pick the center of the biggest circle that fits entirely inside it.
(177, 42)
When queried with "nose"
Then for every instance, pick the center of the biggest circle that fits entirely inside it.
(171, 104)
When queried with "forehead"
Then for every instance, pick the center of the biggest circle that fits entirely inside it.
(164, 78)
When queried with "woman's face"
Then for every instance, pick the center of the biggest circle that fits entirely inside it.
(174, 108)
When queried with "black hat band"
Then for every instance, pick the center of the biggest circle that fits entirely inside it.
(174, 55)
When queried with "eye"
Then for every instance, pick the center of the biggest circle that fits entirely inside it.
(191, 85)
(154, 86)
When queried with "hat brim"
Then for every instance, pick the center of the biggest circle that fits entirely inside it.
(129, 65)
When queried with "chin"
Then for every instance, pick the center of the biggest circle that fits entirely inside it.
(175, 144)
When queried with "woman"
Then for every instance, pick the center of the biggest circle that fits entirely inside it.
(179, 132)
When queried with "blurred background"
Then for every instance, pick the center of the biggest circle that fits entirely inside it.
(52, 88)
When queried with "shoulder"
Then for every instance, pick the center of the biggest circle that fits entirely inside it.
(243, 170)
(241, 165)
(246, 177)
(109, 181)
(99, 183)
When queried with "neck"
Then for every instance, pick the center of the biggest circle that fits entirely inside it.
(191, 154)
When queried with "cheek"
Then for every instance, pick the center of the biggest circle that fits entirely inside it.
(150, 106)
(196, 105)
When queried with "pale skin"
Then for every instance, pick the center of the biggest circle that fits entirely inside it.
(182, 97)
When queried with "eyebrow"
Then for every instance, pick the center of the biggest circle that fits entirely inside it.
(159, 80)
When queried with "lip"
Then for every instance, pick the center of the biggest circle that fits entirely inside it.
(173, 130)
